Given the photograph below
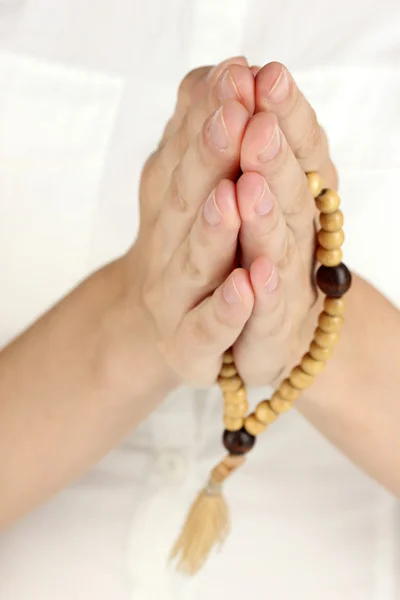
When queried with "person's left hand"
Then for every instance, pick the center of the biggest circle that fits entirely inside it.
(283, 141)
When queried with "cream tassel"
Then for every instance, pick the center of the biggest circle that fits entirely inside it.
(208, 522)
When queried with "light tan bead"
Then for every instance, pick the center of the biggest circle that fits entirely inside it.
(324, 339)
(319, 353)
(301, 380)
(287, 391)
(236, 410)
(331, 240)
(228, 357)
(265, 414)
(279, 404)
(312, 366)
(228, 370)
(230, 384)
(328, 202)
(334, 306)
(329, 323)
(315, 183)
(329, 258)
(332, 222)
(253, 426)
(232, 424)
(236, 397)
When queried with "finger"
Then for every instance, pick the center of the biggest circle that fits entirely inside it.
(207, 255)
(265, 336)
(234, 83)
(276, 91)
(194, 88)
(263, 230)
(214, 155)
(214, 326)
(265, 151)
(254, 69)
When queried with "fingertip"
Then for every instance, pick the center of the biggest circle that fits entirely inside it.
(245, 85)
(236, 117)
(254, 196)
(272, 84)
(225, 197)
(264, 275)
(241, 280)
(258, 134)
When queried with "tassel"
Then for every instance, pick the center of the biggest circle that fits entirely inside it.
(208, 522)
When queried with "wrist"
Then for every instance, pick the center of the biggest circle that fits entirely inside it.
(132, 363)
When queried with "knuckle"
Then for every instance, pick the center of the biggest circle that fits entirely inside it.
(277, 167)
(150, 296)
(300, 195)
(189, 267)
(177, 200)
(188, 82)
(289, 250)
(203, 333)
(279, 326)
(314, 141)
(205, 156)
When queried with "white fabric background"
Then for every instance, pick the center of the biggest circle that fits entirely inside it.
(85, 89)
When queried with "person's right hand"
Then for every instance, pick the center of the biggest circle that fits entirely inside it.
(183, 263)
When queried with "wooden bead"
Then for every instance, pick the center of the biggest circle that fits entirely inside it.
(334, 281)
(329, 258)
(312, 366)
(236, 397)
(265, 414)
(324, 339)
(228, 357)
(319, 353)
(334, 306)
(315, 183)
(280, 405)
(301, 380)
(238, 442)
(230, 384)
(331, 240)
(287, 391)
(233, 424)
(253, 426)
(328, 201)
(236, 410)
(228, 370)
(332, 222)
(329, 323)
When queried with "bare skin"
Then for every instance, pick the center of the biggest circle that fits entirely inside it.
(95, 365)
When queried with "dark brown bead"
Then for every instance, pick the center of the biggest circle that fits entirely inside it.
(238, 442)
(334, 281)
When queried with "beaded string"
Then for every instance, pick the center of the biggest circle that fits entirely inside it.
(208, 521)
(334, 279)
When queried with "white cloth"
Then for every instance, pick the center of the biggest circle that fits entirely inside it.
(85, 90)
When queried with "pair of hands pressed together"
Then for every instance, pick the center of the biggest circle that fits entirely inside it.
(227, 187)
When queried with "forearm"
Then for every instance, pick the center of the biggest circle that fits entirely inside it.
(71, 387)
(355, 402)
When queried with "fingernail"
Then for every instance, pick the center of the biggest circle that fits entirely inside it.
(265, 203)
(230, 292)
(211, 212)
(227, 87)
(218, 132)
(272, 147)
(280, 89)
(272, 282)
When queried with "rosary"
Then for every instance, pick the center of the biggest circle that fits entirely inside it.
(208, 521)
